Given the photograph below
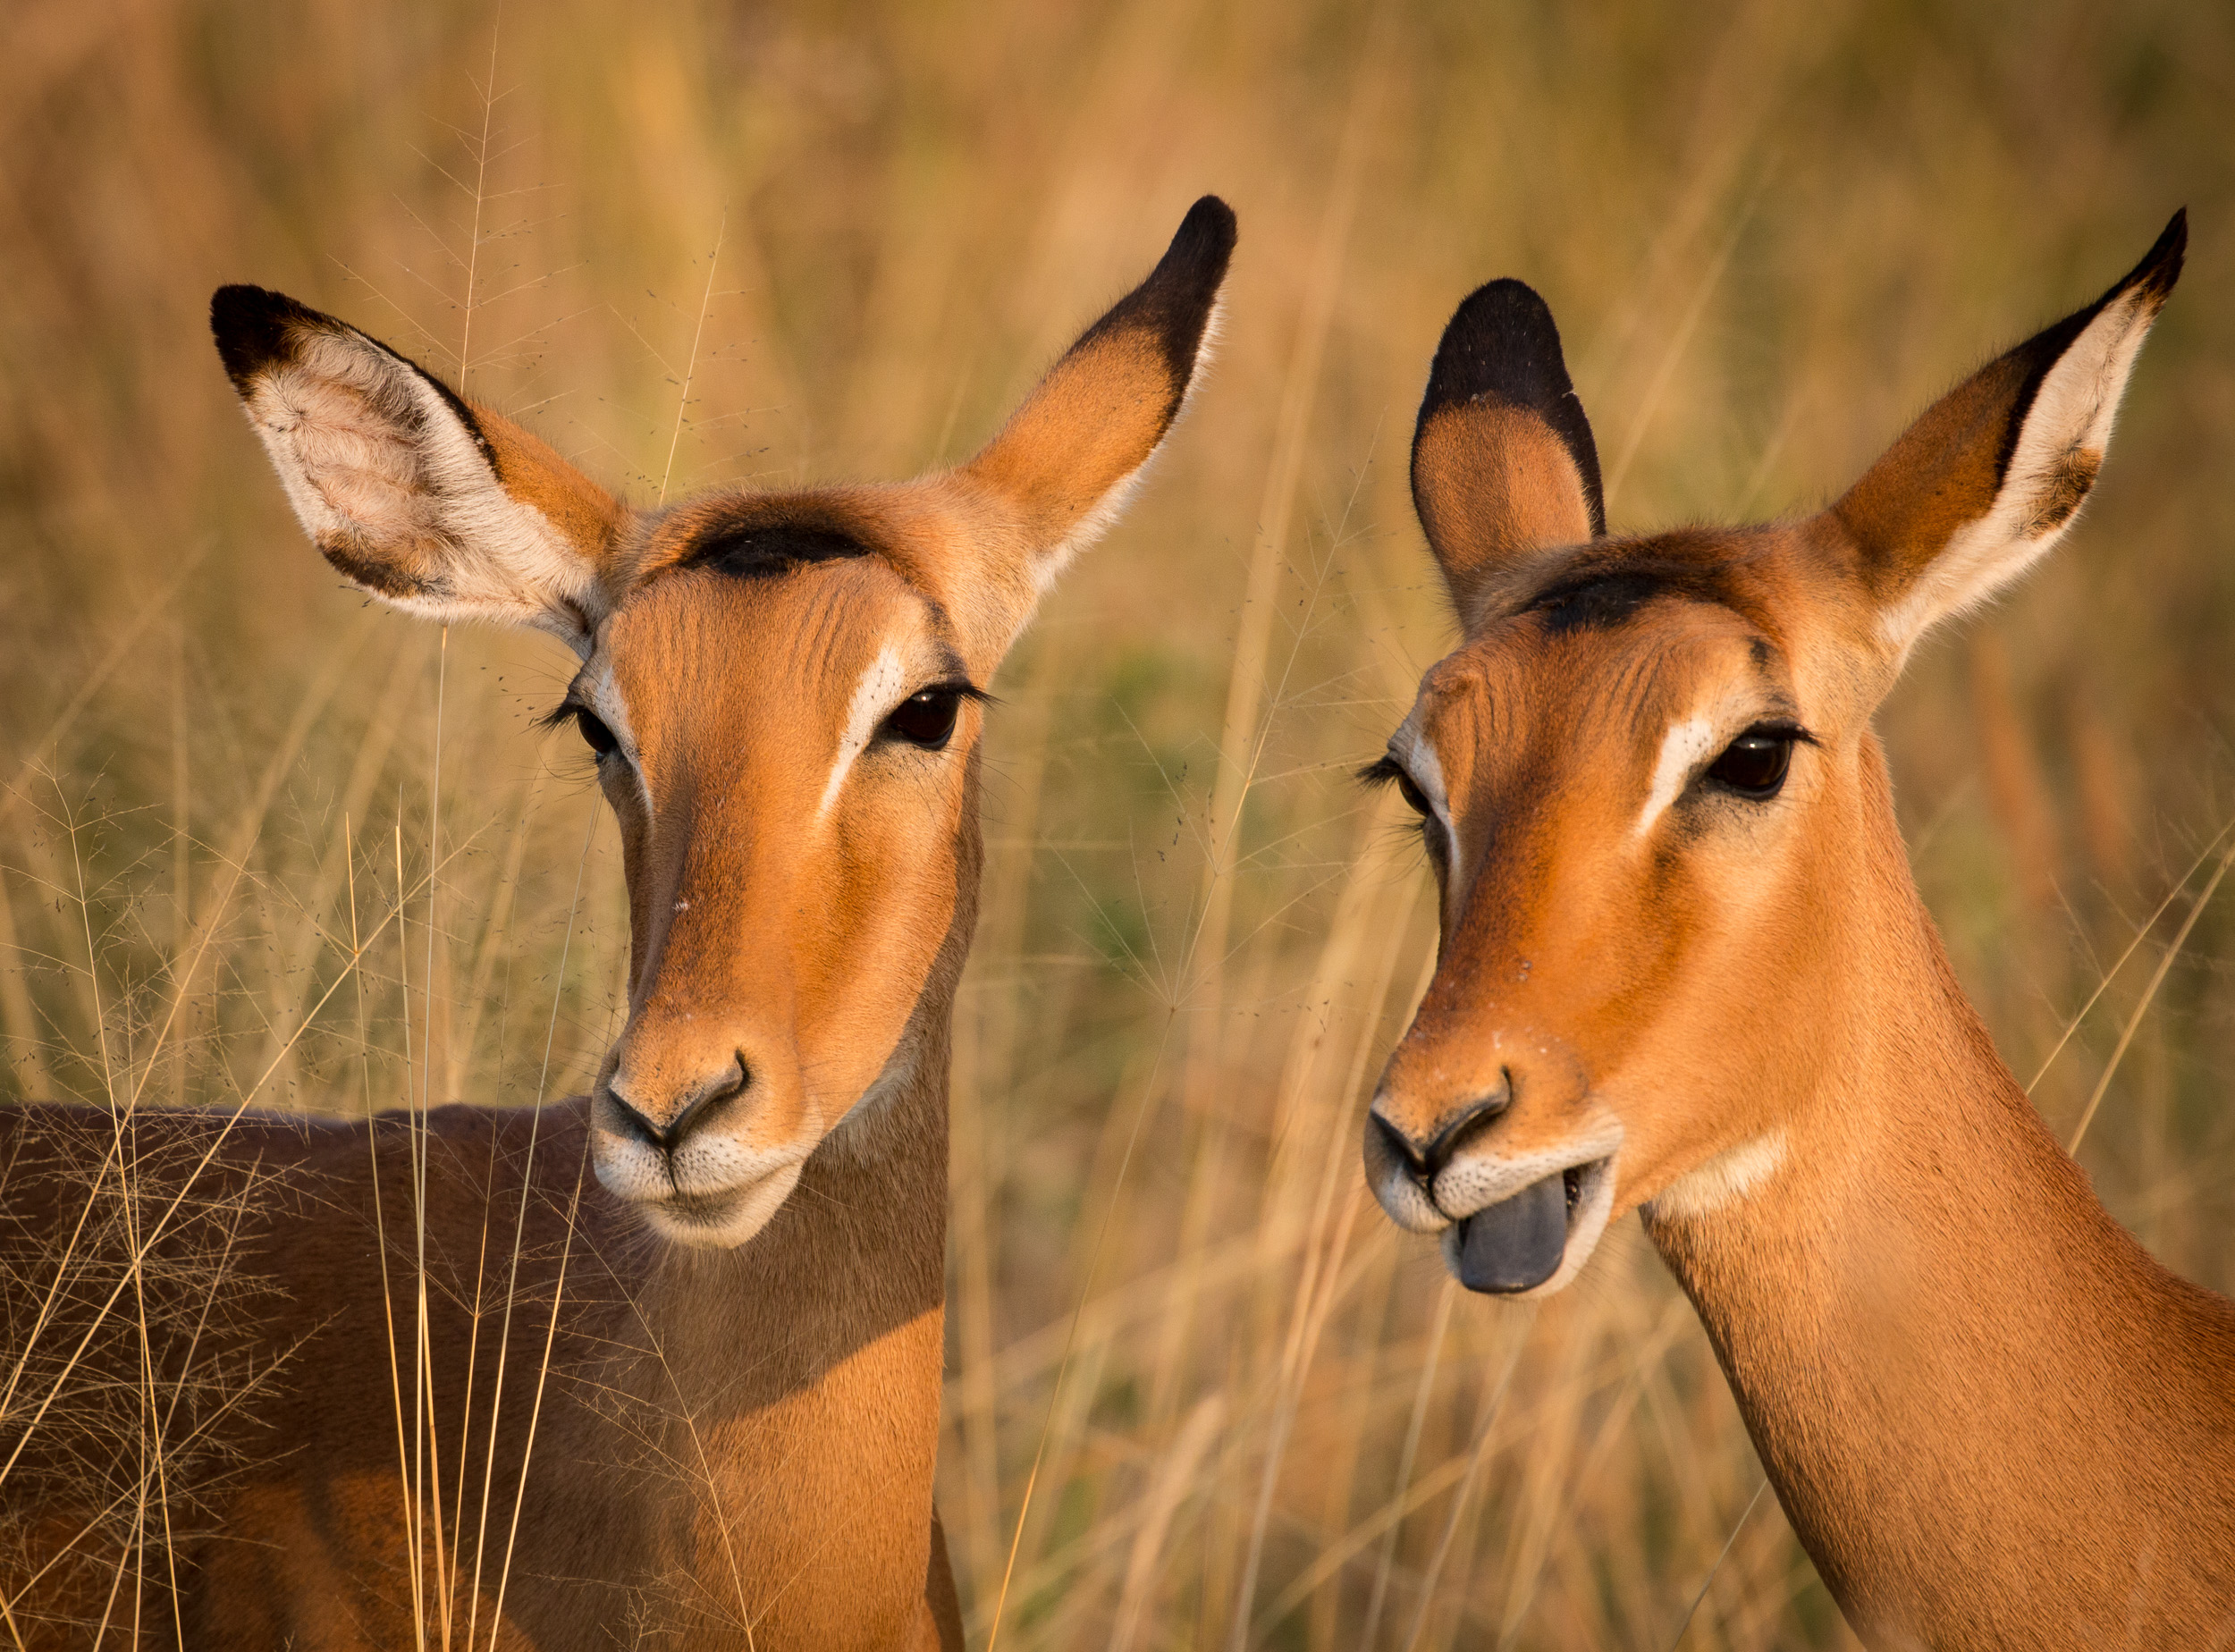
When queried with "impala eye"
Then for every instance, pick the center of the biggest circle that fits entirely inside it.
(596, 734)
(1414, 798)
(927, 719)
(1754, 764)
(1390, 771)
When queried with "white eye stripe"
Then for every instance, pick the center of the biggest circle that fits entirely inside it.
(594, 687)
(1418, 758)
(1691, 744)
(882, 688)
(1417, 755)
(1684, 748)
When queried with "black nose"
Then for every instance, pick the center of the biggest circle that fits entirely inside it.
(709, 1099)
(1423, 1161)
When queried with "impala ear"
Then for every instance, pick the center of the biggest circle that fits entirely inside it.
(1065, 465)
(1993, 472)
(448, 511)
(1503, 462)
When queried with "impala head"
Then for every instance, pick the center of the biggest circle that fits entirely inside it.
(783, 690)
(1646, 777)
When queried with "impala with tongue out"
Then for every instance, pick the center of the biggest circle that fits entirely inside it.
(1685, 970)
(1485, 1128)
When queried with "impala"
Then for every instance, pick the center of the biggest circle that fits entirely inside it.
(691, 1399)
(1685, 969)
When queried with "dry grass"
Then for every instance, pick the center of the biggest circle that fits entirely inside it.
(1259, 1413)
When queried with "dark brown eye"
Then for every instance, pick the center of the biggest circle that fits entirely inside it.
(928, 718)
(596, 734)
(1414, 798)
(1754, 764)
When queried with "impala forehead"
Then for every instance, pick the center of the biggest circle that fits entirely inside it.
(1653, 698)
(804, 663)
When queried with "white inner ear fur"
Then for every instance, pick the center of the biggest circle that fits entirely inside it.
(882, 688)
(338, 422)
(2065, 431)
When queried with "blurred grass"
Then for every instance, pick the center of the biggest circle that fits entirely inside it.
(1771, 233)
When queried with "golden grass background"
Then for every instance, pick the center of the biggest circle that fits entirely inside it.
(853, 235)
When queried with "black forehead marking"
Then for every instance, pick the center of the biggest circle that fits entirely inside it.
(943, 633)
(758, 542)
(758, 549)
(951, 667)
(1603, 595)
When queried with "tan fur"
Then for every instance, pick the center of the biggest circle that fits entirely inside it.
(712, 1290)
(954, 539)
(1104, 391)
(1988, 479)
(1496, 484)
(1938, 478)
(1993, 1419)
(533, 473)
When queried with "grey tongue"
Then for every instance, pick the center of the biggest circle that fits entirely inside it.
(1518, 1242)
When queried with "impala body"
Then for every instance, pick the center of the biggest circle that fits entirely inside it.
(1685, 969)
(659, 1365)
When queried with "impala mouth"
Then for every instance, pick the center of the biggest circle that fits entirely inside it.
(1534, 1240)
(720, 1219)
(714, 1193)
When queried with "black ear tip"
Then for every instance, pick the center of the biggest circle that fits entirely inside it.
(1211, 221)
(1501, 339)
(1502, 306)
(1202, 245)
(251, 325)
(2160, 267)
(1502, 345)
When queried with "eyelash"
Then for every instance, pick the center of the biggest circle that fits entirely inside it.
(1388, 772)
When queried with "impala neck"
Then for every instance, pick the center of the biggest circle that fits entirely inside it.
(757, 1428)
(1982, 1403)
